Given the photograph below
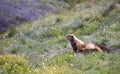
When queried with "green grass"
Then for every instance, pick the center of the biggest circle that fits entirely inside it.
(13, 64)
(40, 47)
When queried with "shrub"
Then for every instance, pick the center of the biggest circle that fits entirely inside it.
(12, 31)
(92, 27)
(23, 41)
(14, 50)
(50, 33)
(61, 59)
(72, 3)
(78, 23)
(13, 64)
(116, 27)
(59, 19)
(108, 9)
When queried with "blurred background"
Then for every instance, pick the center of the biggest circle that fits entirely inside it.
(32, 36)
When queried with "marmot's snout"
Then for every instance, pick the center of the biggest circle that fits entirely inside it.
(69, 36)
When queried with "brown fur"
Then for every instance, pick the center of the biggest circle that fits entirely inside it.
(79, 46)
(104, 48)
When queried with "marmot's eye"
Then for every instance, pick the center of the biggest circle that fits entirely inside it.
(71, 36)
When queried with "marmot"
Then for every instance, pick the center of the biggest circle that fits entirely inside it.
(79, 46)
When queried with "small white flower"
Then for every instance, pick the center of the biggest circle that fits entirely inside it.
(71, 64)
(15, 65)
(75, 55)
(44, 66)
(30, 71)
(6, 63)
(36, 70)
(43, 63)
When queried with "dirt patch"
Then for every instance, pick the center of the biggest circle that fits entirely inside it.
(51, 53)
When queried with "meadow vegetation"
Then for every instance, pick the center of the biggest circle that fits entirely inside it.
(40, 47)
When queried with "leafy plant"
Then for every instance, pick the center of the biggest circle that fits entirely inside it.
(92, 27)
(12, 31)
(12, 64)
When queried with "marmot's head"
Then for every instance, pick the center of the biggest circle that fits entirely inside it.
(70, 37)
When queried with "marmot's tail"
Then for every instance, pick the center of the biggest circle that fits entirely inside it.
(99, 49)
(104, 48)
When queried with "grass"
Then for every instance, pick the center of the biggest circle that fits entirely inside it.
(40, 47)
(93, 63)
(12, 64)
